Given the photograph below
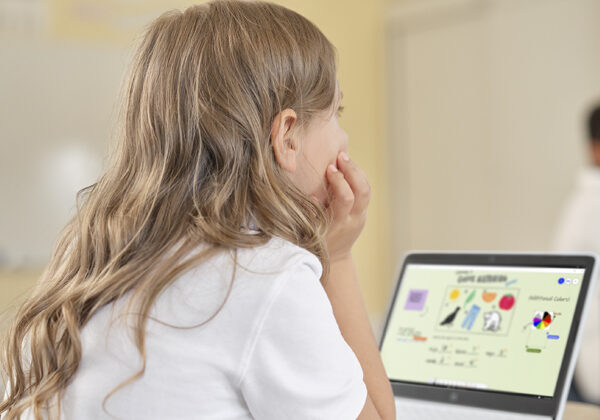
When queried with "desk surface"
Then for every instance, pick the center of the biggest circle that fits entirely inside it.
(581, 411)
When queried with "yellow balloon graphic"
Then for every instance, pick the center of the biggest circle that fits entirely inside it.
(454, 294)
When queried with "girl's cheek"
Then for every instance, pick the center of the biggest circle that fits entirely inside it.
(322, 192)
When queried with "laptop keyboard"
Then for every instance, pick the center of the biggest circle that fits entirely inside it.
(426, 410)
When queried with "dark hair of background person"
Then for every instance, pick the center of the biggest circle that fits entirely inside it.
(594, 124)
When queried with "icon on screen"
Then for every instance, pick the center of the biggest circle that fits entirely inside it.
(561, 280)
(416, 300)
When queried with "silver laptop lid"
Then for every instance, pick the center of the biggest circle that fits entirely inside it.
(486, 330)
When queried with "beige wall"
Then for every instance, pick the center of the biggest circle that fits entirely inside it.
(490, 100)
(67, 58)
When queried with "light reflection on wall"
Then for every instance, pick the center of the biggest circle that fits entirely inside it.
(64, 172)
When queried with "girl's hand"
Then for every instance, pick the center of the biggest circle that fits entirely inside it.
(349, 193)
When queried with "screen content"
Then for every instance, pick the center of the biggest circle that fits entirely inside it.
(488, 328)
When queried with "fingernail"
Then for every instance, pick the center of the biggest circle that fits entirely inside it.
(333, 168)
(344, 156)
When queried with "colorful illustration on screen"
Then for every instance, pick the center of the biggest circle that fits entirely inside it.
(449, 319)
(488, 296)
(475, 309)
(454, 294)
(491, 321)
(538, 331)
(507, 302)
(542, 320)
(471, 317)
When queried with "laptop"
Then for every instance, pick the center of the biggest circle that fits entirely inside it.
(485, 336)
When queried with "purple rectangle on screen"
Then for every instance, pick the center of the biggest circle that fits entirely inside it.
(416, 299)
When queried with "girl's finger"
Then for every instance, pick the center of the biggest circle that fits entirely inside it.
(357, 180)
(342, 199)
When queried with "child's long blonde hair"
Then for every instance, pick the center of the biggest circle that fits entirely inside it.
(193, 165)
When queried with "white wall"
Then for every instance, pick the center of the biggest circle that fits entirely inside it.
(53, 136)
(487, 102)
(61, 65)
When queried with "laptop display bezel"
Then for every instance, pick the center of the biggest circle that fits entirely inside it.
(499, 400)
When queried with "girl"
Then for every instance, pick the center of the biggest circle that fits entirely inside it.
(208, 273)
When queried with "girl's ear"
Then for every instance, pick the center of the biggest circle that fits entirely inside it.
(284, 146)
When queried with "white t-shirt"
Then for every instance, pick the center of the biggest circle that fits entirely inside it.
(274, 351)
(579, 230)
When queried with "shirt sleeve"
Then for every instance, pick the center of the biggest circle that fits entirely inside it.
(300, 366)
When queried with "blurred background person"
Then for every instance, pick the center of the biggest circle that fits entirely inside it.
(579, 230)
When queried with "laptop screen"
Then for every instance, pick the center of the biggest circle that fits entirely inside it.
(494, 328)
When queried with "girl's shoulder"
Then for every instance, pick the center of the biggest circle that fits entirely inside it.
(277, 256)
(248, 281)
